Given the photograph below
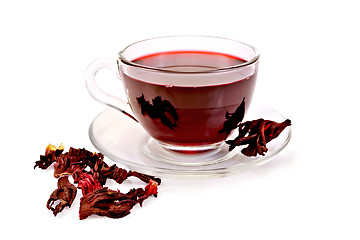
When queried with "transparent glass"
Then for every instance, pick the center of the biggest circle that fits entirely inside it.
(181, 88)
(125, 142)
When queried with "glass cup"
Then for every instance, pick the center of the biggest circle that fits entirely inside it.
(181, 89)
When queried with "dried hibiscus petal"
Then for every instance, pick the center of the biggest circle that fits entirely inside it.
(118, 174)
(140, 194)
(150, 189)
(106, 202)
(144, 177)
(74, 160)
(114, 204)
(102, 171)
(64, 194)
(233, 119)
(62, 166)
(159, 108)
(86, 182)
(51, 152)
(256, 134)
(83, 158)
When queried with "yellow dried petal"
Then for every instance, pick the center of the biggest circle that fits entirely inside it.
(61, 147)
(50, 147)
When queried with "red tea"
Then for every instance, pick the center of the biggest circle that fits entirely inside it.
(193, 103)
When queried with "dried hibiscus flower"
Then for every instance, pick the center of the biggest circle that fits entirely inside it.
(233, 119)
(86, 182)
(96, 198)
(73, 161)
(114, 204)
(140, 194)
(51, 152)
(64, 194)
(256, 134)
(101, 171)
(150, 189)
(106, 202)
(159, 108)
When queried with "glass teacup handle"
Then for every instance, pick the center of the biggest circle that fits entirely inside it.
(97, 93)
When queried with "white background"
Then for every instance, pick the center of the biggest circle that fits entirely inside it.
(309, 70)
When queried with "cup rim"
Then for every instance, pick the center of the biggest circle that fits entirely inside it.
(124, 60)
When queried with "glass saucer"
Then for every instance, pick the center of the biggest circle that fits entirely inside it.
(124, 141)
